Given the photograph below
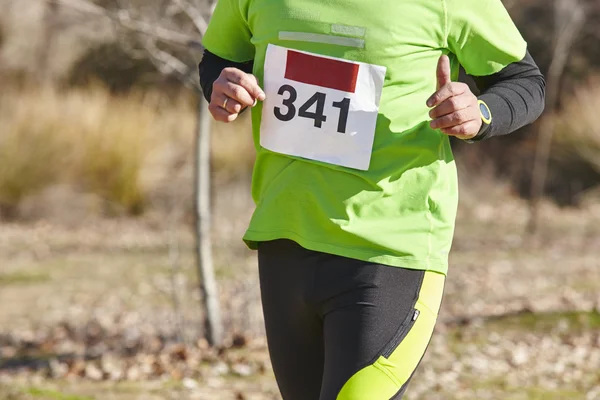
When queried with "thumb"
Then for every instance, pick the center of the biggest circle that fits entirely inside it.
(443, 72)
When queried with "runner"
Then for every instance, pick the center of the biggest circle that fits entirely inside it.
(355, 185)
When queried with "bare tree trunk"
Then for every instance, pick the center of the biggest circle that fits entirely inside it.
(569, 16)
(208, 285)
(166, 32)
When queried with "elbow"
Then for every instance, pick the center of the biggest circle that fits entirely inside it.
(541, 102)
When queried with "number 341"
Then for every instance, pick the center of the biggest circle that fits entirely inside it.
(318, 115)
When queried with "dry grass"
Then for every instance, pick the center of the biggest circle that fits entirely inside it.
(122, 149)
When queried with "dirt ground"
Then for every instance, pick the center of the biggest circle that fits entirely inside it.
(83, 306)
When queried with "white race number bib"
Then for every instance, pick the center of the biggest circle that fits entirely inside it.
(320, 108)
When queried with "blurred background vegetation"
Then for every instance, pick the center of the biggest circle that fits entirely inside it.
(61, 74)
(98, 123)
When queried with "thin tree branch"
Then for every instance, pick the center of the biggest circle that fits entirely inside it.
(167, 64)
(124, 20)
(193, 14)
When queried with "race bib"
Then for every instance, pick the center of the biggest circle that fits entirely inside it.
(320, 108)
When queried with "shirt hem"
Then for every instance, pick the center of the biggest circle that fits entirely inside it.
(252, 238)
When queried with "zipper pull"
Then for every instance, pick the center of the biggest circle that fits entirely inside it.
(416, 315)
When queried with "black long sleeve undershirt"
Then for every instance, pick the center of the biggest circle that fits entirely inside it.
(211, 67)
(515, 95)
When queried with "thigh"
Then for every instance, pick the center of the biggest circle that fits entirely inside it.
(376, 330)
(294, 330)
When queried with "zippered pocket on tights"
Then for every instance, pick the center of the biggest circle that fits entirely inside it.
(403, 330)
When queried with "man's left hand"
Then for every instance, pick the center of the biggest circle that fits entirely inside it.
(455, 110)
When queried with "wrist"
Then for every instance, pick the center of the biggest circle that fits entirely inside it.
(485, 115)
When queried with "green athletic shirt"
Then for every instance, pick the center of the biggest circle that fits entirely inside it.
(402, 211)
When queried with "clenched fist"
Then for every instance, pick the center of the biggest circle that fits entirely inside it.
(233, 91)
(455, 108)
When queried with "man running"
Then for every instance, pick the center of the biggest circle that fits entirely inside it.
(353, 103)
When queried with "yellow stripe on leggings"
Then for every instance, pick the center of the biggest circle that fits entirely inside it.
(384, 378)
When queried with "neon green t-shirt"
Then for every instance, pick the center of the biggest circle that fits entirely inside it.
(401, 211)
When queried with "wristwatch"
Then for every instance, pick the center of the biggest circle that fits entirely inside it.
(484, 110)
(486, 118)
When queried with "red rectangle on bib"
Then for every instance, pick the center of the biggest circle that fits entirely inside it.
(319, 71)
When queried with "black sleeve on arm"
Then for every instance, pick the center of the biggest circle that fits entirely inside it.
(515, 97)
(210, 68)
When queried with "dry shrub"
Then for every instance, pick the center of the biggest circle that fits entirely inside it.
(578, 132)
(576, 149)
(116, 137)
(130, 149)
(95, 141)
(116, 68)
(33, 149)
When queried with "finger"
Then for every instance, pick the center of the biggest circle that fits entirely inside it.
(233, 91)
(260, 96)
(443, 72)
(450, 105)
(450, 90)
(220, 114)
(232, 106)
(456, 118)
(463, 131)
(247, 81)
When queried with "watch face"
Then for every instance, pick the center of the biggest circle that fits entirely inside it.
(485, 112)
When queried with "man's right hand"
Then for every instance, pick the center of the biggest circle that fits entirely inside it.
(233, 91)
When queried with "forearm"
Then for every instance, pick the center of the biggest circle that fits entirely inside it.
(515, 97)
(211, 67)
